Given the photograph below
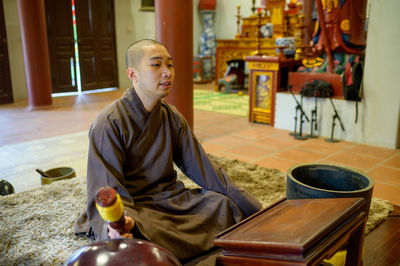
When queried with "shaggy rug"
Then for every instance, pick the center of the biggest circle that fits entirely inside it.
(36, 226)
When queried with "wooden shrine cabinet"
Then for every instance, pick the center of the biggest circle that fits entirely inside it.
(202, 70)
(267, 75)
(296, 232)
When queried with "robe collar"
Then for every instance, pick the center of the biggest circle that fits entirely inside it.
(141, 116)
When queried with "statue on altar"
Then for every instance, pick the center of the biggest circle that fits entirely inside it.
(339, 41)
(344, 21)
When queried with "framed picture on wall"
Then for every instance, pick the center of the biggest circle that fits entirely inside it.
(147, 5)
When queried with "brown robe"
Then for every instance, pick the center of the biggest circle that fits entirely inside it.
(134, 152)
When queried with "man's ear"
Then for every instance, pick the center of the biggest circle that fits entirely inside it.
(131, 74)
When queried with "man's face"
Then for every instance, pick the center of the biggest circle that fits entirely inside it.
(155, 73)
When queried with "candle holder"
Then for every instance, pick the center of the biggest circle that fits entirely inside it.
(253, 8)
(259, 35)
(300, 33)
(238, 17)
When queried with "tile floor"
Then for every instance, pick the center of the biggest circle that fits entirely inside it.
(220, 134)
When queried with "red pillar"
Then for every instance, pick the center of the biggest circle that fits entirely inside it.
(174, 29)
(32, 24)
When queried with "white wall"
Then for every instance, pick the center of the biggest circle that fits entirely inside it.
(197, 28)
(382, 75)
(285, 110)
(15, 50)
(225, 18)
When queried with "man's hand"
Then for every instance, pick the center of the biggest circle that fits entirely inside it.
(125, 232)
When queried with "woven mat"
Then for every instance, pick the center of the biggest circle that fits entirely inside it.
(226, 103)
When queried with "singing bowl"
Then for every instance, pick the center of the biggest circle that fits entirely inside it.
(308, 181)
(123, 252)
(56, 174)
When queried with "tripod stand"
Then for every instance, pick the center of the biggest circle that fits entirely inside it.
(313, 125)
(334, 117)
(299, 108)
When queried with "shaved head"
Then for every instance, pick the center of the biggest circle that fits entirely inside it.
(135, 53)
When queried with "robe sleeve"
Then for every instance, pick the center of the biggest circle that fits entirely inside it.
(191, 158)
(105, 168)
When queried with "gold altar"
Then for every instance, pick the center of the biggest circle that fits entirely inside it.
(238, 49)
(249, 35)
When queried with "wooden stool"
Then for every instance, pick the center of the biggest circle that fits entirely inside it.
(296, 232)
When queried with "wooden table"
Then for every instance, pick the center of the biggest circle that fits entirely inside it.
(296, 232)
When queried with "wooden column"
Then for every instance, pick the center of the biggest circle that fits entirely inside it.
(174, 29)
(32, 24)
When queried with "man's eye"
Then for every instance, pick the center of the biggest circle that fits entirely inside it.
(157, 65)
(170, 65)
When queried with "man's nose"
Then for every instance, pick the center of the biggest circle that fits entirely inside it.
(166, 72)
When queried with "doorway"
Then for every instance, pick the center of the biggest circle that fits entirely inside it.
(82, 46)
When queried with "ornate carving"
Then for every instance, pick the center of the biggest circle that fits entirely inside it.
(263, 66)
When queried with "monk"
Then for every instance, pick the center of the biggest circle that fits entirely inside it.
(134, 144)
